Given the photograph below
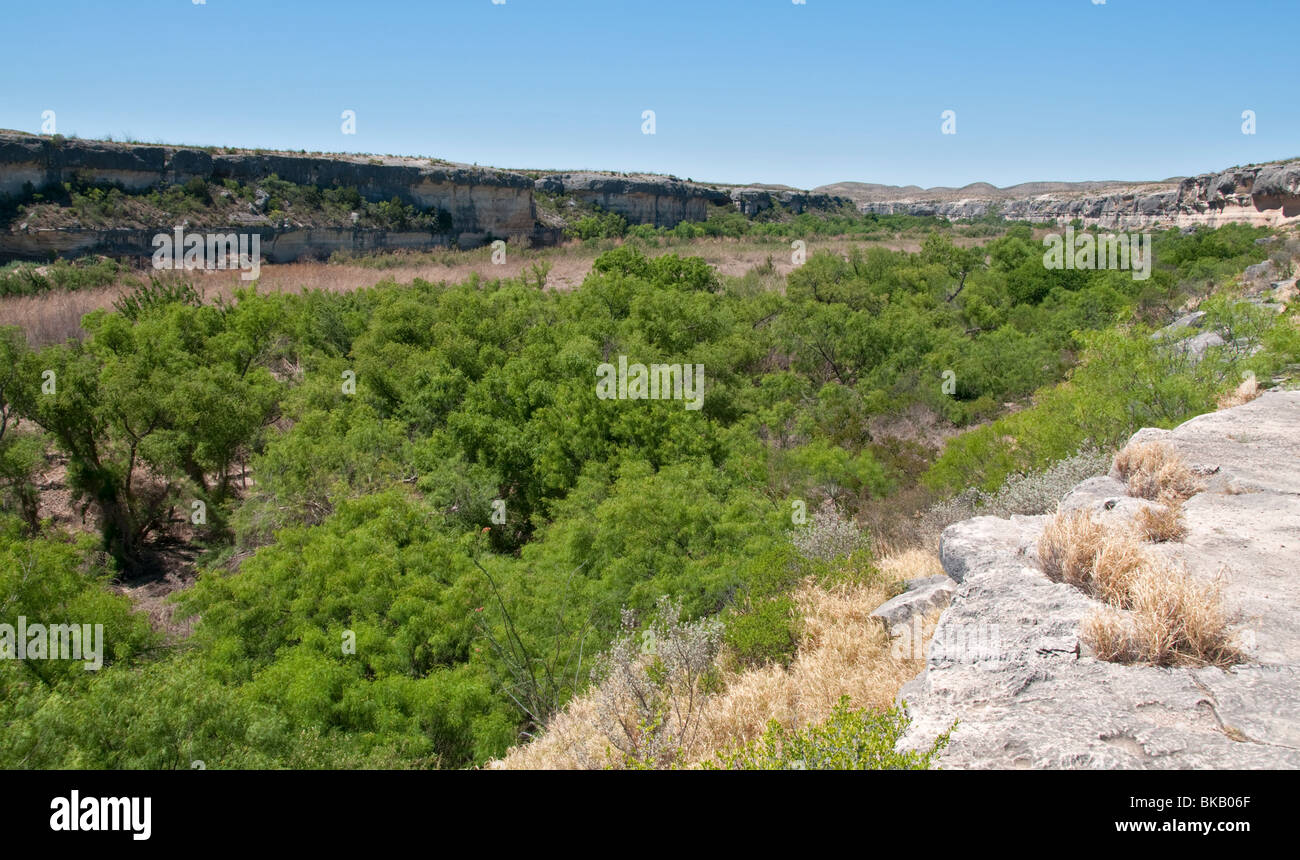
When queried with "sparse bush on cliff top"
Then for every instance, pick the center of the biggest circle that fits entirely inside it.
(652, 687)
(1039, 492)
(1173, 619)
(1155, 471)
(1156, 613)
(1029, 494)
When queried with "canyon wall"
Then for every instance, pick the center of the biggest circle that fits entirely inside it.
(487, 203)
(483, 203)
(1262, 195)
(662, 201)
(755, 200)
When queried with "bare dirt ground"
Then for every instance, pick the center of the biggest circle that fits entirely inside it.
(169, 558)
(151, 593)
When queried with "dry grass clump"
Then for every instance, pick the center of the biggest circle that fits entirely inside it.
(1244, 393)
(1077, 549)
(1155, 471)
(1173, 619)
(842, 652)
(1157, 613)
(1116, 567)
(1161, 523)
(912, 563)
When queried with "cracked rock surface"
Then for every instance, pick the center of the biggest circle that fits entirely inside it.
(1010, 666)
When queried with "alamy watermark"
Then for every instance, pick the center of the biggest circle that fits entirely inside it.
(209, 251)
(954, 643)
(1123, 251)
(53, 642)
(655, 382)
(130, 814)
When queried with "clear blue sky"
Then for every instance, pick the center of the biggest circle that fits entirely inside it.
(743, 90)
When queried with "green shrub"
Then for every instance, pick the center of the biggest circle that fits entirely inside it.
(158, 293)
(602, 225)
(765, 631)
(848, 740)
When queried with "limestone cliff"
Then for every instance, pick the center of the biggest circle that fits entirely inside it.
(1262, 195)
(641, 199)
(480, 199)
(1029, 694)
(487, 203)
(482, 203)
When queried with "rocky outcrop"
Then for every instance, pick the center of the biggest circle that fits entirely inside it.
(1263, 195)
(1008, 664)
(920, 597)
(755, 200)
(661, 201)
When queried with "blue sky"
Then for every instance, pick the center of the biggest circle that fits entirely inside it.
(743, 90)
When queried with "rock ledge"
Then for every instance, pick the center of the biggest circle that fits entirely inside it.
(1009, 665)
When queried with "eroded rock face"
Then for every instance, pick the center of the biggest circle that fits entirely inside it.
(1263, 195)
(754, 201)
(1031, 695)
(479, 199)
(922, 596)
(657, 200)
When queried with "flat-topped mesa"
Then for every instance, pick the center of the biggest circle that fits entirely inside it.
(1261, 195)
(661, 201)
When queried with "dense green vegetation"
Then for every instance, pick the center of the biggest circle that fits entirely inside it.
(777, 223)
(25, 279)
(420, 523)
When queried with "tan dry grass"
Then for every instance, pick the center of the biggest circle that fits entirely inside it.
(1068, 548)
(1156, 613)
(1244, 393)
(843, 651)
(1155, 471)
(1118, 564)
(1161, 523)
(912, 563)
(1174, 620)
